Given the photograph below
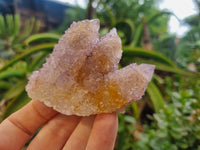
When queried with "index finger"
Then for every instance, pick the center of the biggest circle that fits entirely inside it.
(18, 128)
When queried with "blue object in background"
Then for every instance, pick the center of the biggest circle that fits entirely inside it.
(50, 12)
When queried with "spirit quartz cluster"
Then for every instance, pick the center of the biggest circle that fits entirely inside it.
(81, 77)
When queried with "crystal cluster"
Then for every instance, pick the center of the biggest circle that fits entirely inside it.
(81, 77)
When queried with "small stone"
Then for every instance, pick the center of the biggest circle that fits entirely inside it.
(81, 77)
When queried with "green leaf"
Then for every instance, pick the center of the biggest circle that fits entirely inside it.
(160, 66)
(37, 61)
(10, 24)
(16, 89)
(28, 52)
(161, 121)
(17, 70)
(16, 104)
(135, 110)
(42, 36)
(155, 97)
(11, 73)
(158, 79)
(2, 26)
(175, 135)
(17, 24)
(121, 127)
(138, 36)
(162, 133)
(140, 52)
(129, 119)
(5, 85)
(164, 67)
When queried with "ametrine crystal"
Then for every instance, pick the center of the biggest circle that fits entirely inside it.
(81, 77)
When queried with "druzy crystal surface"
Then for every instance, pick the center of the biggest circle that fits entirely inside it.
(81, 76)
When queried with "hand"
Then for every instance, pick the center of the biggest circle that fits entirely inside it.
(59, 131)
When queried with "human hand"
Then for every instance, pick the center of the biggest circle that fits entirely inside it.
(59, 131)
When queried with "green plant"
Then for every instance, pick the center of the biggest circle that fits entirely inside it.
(17, 70)
(29, 53)
(126, 129)
(12, 35)
(175, 127)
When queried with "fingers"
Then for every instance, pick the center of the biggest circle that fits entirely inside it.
(17, 129)
(55, 133)
(103, 133)
(61, 128)
(79, 138)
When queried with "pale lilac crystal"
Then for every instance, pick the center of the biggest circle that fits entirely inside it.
(81, 76)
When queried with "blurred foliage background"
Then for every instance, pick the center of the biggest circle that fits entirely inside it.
(167, 117)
